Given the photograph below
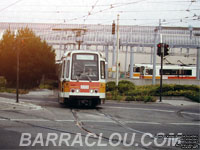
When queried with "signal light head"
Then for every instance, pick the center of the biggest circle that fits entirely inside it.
(159, 45)
(166, 45)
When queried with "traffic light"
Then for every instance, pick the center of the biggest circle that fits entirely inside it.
(113, 27)
(166, 49)
(159, 49)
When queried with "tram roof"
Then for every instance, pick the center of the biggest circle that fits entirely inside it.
(172, 66)
(82, 51)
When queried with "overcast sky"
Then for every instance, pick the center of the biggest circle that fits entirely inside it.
(132, 12)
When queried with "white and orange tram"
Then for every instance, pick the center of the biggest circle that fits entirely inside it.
(145, 71)
(82, 78)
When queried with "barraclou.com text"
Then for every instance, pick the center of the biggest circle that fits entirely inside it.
(78, 139)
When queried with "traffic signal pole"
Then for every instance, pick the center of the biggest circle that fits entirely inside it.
(114, 48)
(161, 64)
(161, 73)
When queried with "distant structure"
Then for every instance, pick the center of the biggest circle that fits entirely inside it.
(137, 43)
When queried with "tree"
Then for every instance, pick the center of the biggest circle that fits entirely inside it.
(36, 58)
(8, 55)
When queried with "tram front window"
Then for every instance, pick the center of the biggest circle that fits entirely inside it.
(85, 67)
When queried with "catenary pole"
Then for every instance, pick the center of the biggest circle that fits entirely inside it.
(117, 57)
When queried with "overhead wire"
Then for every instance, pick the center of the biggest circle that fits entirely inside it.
(111, 6)
(91, 10)
(10, 5)
(81, 17)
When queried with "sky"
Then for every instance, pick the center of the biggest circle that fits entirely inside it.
(131, 12)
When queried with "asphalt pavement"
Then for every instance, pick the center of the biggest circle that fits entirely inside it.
(39, 122)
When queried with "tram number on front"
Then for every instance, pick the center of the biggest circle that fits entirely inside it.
(84, 86)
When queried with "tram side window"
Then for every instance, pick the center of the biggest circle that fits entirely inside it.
(177, 72)
(67, 70)
(142, 70)
(103, 70)
(136, 69)
(170, 72)
(149, 71)
(174, 72)
(63, 69)
(186, 72)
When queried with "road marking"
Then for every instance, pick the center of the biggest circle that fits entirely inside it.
(193, 124)
(141, 122)
(98, 121)
(39, 101)
(190, 113)
(108, 121)
(128, 108)
(29, 120)
(64, 120)
(171, 111)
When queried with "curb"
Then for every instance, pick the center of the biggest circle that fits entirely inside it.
(20, 104)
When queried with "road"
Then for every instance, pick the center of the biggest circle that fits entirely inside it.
(113, 125)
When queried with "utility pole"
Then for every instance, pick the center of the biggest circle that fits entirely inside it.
(161, 70)
(79, 45)
(113, 54)
(79, 32)
(126, 60)
(17, 80)
(154, 54)
(117, 60)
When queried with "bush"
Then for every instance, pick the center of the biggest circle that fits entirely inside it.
(149, 99)
(2, 82)
(138, 92)
(125, 86)
(11, 90)
(109, 96)
(186, 87)
(130, 98)
(49, 84)
(195, 96)
(141, 98)
(111, 86)
(165, 88)
(146, 93)
(114, 96)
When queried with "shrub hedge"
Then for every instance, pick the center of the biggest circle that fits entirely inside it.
(125, 86)
(2, 82)
(111, 86)
(147, 93)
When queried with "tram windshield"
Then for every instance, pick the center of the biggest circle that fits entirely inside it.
(85, 67)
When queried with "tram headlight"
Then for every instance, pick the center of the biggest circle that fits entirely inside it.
(96, 91)
(91, 91)
(72, 90)
(77, 90)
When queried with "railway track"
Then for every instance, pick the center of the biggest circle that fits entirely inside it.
(81, 125)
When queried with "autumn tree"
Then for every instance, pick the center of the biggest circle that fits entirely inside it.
(36, 58)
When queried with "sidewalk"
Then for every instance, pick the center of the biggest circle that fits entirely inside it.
(10, 104)
(178, 102)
